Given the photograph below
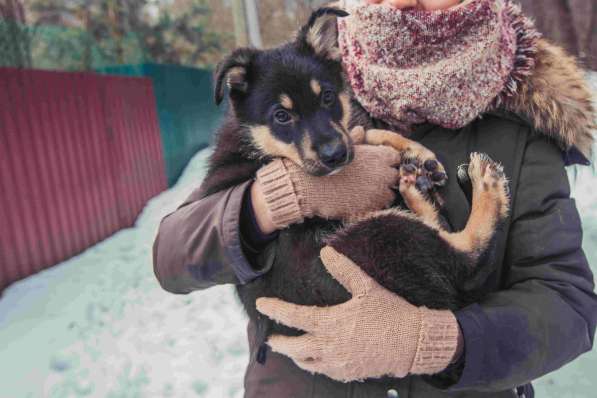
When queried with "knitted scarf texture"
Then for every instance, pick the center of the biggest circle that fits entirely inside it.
(445, 67)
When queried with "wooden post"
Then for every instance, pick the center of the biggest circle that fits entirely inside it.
(253, 28)
(240, 23)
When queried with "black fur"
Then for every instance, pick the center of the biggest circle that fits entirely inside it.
(400, 252)
(410, 259)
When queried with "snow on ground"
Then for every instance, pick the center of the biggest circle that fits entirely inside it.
(99, 325)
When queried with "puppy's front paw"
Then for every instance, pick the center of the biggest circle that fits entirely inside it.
(416, 159)
(430, 172)
(424, 175)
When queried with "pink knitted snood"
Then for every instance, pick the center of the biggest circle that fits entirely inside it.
(445, 67)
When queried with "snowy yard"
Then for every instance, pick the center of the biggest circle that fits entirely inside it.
(99, 325)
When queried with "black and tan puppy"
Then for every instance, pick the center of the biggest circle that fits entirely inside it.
(293, 102)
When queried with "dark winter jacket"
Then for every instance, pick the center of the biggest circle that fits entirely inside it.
(541, 312)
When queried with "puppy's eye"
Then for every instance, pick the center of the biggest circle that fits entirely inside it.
(282, 117)
(328, 98)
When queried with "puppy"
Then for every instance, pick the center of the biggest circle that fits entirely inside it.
(293, 102)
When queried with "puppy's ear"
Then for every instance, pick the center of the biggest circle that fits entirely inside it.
(233, 72)
(320, 34)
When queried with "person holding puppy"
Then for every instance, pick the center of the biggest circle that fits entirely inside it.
(432, 68)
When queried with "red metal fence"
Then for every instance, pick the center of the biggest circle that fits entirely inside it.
(80, 154)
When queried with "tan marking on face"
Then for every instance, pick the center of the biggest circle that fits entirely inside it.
(286, 101)
(307, 147)
(345, 138)
(343, 133)
(316, 87)
(264, 141)
(346, 109)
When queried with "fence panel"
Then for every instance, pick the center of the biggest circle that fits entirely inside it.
(79, 158)
(186, 110)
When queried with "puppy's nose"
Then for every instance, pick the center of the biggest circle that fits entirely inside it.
(333, 154)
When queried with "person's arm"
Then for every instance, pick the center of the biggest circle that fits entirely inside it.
(547, 314)
(199, 245)
(256, 227)
(210, 240)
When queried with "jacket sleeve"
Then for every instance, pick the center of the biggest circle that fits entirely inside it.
(546, 314)
(199, 245)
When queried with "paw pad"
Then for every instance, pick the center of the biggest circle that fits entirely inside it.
(427, 174)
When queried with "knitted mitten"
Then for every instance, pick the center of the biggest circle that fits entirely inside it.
(362, 186)
(374, 334)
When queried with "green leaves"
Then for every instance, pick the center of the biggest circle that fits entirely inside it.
(87, 34)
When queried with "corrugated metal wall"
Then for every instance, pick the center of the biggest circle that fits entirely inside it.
(80, 154)
(187, 113)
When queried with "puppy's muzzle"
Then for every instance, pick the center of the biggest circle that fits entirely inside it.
(333, 154)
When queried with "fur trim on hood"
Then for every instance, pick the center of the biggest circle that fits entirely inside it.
(448, 67)
(556, 100)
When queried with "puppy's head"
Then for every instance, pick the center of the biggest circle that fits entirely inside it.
(292, 99)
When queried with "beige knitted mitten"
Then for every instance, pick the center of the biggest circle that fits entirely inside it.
(374, 334)
(362, 186)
